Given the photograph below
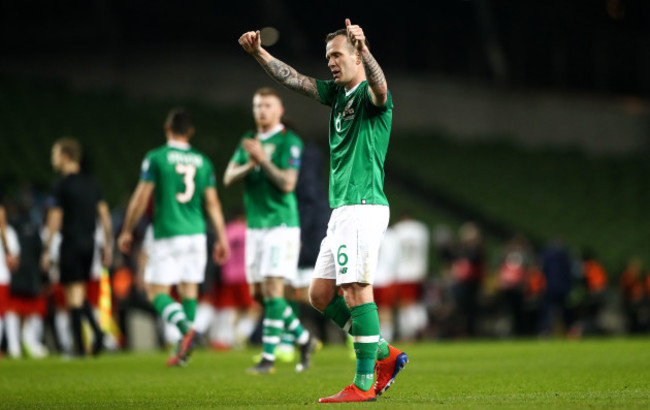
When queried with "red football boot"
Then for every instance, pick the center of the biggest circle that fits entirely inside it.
(388, 368)
(350, 394)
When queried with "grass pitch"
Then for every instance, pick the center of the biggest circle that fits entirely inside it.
(608, 373)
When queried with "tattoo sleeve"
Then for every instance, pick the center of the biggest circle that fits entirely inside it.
(374, 74)
(290, 78)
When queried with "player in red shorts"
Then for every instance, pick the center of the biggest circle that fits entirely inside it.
(413, 241)
(236, 312)
(9, 259)
(385, 287)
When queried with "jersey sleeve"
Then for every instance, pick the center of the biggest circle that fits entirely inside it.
(240, 156)
(375, 109)
(326, 91)
(149, 169)
(292, 154)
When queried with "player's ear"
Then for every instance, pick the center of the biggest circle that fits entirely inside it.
(358, 55)
(190, 132)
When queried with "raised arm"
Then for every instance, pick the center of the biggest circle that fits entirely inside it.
(279, 71)
(377, 84)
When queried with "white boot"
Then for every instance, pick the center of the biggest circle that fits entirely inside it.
(63, 330)
(12, 323)
(32, 337)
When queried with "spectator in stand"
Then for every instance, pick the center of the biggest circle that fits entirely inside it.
(632, 291)
(595, 281)
(468, 271)
(534, 290)
(557, 268)
(513, 274)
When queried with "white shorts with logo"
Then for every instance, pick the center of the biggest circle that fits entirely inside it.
(272, 252)
(350, 251)
(179, 259)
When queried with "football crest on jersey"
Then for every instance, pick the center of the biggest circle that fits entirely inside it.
(269, 149)
(348, 111)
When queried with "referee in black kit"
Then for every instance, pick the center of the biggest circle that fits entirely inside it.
(77, 202)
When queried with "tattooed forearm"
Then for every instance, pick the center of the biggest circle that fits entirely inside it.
(290, 78)
(374, 73)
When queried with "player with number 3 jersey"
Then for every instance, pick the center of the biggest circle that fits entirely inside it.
(182, 182)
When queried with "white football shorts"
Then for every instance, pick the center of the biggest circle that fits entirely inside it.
(272, 252)
(179, 259)
(350, 251)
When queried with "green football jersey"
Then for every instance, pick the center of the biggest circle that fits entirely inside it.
(358, 138)
(266, 205)
(180, 175)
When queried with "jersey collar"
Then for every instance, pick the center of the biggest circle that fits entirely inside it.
(268, 134)
(178, 144)
(351, 90)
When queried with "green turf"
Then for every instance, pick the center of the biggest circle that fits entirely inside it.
(524, 374)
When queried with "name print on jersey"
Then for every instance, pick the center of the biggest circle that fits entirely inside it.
(175, 157)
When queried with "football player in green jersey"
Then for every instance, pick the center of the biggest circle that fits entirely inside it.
(182, 182)
(359, 130)
(268, 161)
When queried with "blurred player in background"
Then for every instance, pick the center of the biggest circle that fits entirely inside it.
(236, 312)
(268, 160)
(359, 128)
(468, 271)
(181, 180)
(172, 336)
(314, 213)
(77, 204)
(413, 242)
(9, 260)
(385, 286)
(28, 300)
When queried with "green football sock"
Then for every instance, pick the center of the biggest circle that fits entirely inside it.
(292, 324)
(365, 334)
(295, 306)
(382, 349)
(189, 306)
(272, 326)
(339, 313)
(171, 312)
